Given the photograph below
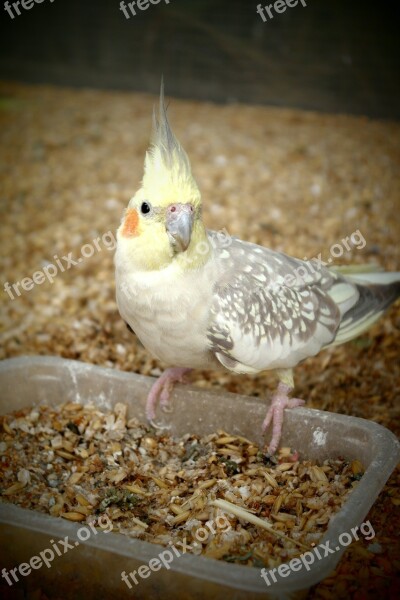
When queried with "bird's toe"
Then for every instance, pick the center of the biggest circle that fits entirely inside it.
(158, 425)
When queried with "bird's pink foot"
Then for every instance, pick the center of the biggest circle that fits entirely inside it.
(280, 401)
(161, 391)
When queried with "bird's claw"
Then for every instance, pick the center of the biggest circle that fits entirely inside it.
(279, 402)
(158, 425)
(161, 391)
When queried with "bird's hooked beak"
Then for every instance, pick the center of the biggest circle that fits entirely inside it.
(179, 225)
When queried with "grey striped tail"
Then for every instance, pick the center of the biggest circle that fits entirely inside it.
(374, 299)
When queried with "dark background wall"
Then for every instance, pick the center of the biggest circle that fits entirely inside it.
(332, 55)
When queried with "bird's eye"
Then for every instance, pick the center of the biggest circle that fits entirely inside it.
(145, 208)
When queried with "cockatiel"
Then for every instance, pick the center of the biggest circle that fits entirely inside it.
(198, 300)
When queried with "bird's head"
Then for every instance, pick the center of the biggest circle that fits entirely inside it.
(162, 222)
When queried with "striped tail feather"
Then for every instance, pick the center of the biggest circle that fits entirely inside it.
(377, 291)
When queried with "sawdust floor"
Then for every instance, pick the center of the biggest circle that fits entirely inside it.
(293, 180)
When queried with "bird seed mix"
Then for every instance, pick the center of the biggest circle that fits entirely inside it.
(78, 463)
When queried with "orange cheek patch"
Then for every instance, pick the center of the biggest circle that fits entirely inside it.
(131, 224)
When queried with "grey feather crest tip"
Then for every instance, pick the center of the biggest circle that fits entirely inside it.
(164, 140)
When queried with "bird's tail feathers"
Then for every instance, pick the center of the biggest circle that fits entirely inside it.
(367, 278)
(377, 291)
(356, 269)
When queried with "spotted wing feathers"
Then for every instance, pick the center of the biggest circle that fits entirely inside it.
(271, 311)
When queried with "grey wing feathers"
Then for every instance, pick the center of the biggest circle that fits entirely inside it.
(258, 321)
(271, 311)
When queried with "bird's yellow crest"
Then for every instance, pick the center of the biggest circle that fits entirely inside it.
(162, 222)
(167, 172)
